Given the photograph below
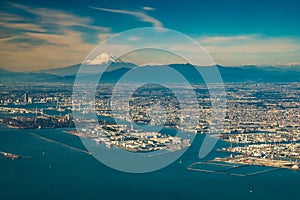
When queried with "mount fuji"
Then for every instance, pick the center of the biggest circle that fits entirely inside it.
(103, 58)
(91, 66)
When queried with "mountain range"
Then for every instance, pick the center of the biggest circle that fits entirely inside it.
(117, 69)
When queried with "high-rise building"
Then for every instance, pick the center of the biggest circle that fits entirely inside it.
(25, 97)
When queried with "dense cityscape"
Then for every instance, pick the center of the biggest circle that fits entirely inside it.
(264, 114)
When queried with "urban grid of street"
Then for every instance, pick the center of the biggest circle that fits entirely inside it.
(262, 119)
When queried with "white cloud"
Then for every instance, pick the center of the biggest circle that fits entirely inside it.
(103, 36)
(134, 39)
(27, 44)
(221, 39)
(254, 43)
(148, 8)
(22, 26)
(252, 48)
(59, 18)
(138, 14)
(60, 50)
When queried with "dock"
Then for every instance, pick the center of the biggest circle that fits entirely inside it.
(227, 168)
(60, 143)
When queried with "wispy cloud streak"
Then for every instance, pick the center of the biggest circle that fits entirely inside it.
(137, 14)
(49, 39)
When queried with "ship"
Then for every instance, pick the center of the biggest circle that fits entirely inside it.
(10, 155)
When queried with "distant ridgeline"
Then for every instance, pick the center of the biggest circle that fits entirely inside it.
(116, 70)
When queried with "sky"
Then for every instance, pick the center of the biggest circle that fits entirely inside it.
(37, 34)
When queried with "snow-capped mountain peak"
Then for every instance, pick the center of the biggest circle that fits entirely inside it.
(103, 58)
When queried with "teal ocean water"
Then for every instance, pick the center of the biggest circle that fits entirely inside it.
(57, 172)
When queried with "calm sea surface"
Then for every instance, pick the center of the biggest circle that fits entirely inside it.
(57, 172)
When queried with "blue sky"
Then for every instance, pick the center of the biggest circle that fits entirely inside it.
(38, 34)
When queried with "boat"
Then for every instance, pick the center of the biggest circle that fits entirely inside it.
(12, 156)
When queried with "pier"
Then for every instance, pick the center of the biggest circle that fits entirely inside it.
(227, 168)
(60, 143)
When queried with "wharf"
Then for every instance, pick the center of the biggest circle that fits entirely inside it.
(60, 143)
(228, 168)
